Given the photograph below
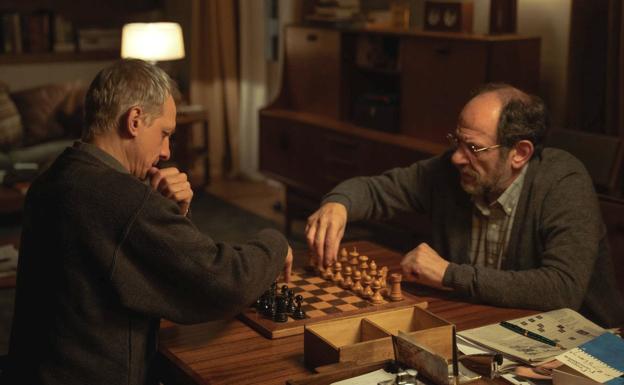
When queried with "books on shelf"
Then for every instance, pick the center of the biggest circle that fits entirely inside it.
(11, 31)
(564, 327)
(99, 39)
(64, 36)
(37, 31)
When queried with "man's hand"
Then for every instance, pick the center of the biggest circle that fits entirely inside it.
(172, 184)
(324, 231)
(423, 265)
(288, 265)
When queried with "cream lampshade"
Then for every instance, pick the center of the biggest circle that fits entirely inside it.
(152, 41)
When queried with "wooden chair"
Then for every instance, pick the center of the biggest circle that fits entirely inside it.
(601, 155)
(613, 215)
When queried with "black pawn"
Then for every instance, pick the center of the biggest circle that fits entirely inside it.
(291, 308)
(284, 290)
(280, 309)
(299, 313)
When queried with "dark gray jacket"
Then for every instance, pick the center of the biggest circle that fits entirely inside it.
(557, 256)
(103, 257)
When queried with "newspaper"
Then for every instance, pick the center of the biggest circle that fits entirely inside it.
(564, 326)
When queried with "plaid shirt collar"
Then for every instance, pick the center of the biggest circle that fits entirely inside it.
(506, 201)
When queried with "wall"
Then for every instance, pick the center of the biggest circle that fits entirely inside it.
(550, 20)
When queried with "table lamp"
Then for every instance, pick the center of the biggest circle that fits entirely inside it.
(152, 42)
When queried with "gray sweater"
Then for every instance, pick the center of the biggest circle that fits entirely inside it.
(557, 256)
(103, 257)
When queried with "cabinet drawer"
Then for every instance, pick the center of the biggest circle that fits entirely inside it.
(343, 157)
(280, 144)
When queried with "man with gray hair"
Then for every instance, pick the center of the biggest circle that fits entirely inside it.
(512, 224)
(107, 248)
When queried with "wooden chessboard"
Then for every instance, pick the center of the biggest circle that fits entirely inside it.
(323, 300)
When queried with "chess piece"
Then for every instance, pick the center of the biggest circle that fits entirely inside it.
(290, 307)
(367, 292)
(284, 290)
(280, 309)
(377, 298)
(357, 286)
(383, 279)
(347, 283)
(337, 278)
(299, 313)
(328, 274)
(395, 291)
(344, 256)
(354, 259)
(372, 269)
(363, 263)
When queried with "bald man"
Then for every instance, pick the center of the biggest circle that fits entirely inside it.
(513, 224)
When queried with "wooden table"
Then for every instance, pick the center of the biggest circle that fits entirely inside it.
(229, 352)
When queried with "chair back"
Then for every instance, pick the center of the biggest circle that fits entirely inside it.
(601, 155)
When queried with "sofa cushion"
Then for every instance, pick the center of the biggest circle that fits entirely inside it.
(11, 129)
(41, 154)
(43, 109)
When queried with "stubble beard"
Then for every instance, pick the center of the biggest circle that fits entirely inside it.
(478, 187)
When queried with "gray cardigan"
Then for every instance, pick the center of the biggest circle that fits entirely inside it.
(558, 254)
(103, 257)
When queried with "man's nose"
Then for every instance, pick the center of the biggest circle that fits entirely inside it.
(165, 151)
(459, 157)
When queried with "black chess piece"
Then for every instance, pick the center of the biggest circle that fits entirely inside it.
(268, 309)
(284, 290)
(290, 309)
(280, 309)
(299, 313)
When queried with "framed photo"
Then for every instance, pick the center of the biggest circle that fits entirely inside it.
(453, 16)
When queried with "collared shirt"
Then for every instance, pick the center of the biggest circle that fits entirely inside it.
(492, 223)
(101, 155)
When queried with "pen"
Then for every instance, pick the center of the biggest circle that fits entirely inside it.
(526, 333)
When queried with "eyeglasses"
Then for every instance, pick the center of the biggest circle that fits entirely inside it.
(455, 142)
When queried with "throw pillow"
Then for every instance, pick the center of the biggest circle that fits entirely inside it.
(10, 122)
(39, 108)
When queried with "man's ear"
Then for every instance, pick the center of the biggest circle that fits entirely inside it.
(521, 154)
(133, 121)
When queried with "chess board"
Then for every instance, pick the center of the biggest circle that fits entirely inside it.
(322, 300)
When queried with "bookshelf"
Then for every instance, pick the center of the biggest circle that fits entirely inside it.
(45, 31)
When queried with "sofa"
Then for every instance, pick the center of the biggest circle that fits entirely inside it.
(36, 124)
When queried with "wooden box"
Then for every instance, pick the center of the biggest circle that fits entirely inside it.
(366, 339)
(424, 327)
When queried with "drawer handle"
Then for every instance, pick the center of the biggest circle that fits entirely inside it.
(312, 37)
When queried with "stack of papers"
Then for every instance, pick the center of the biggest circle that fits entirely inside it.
(566, 327)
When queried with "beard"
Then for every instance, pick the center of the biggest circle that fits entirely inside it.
(489, 187)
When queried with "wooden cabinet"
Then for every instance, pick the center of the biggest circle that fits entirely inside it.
(313, 64)
(438, 77)
(358, 102)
